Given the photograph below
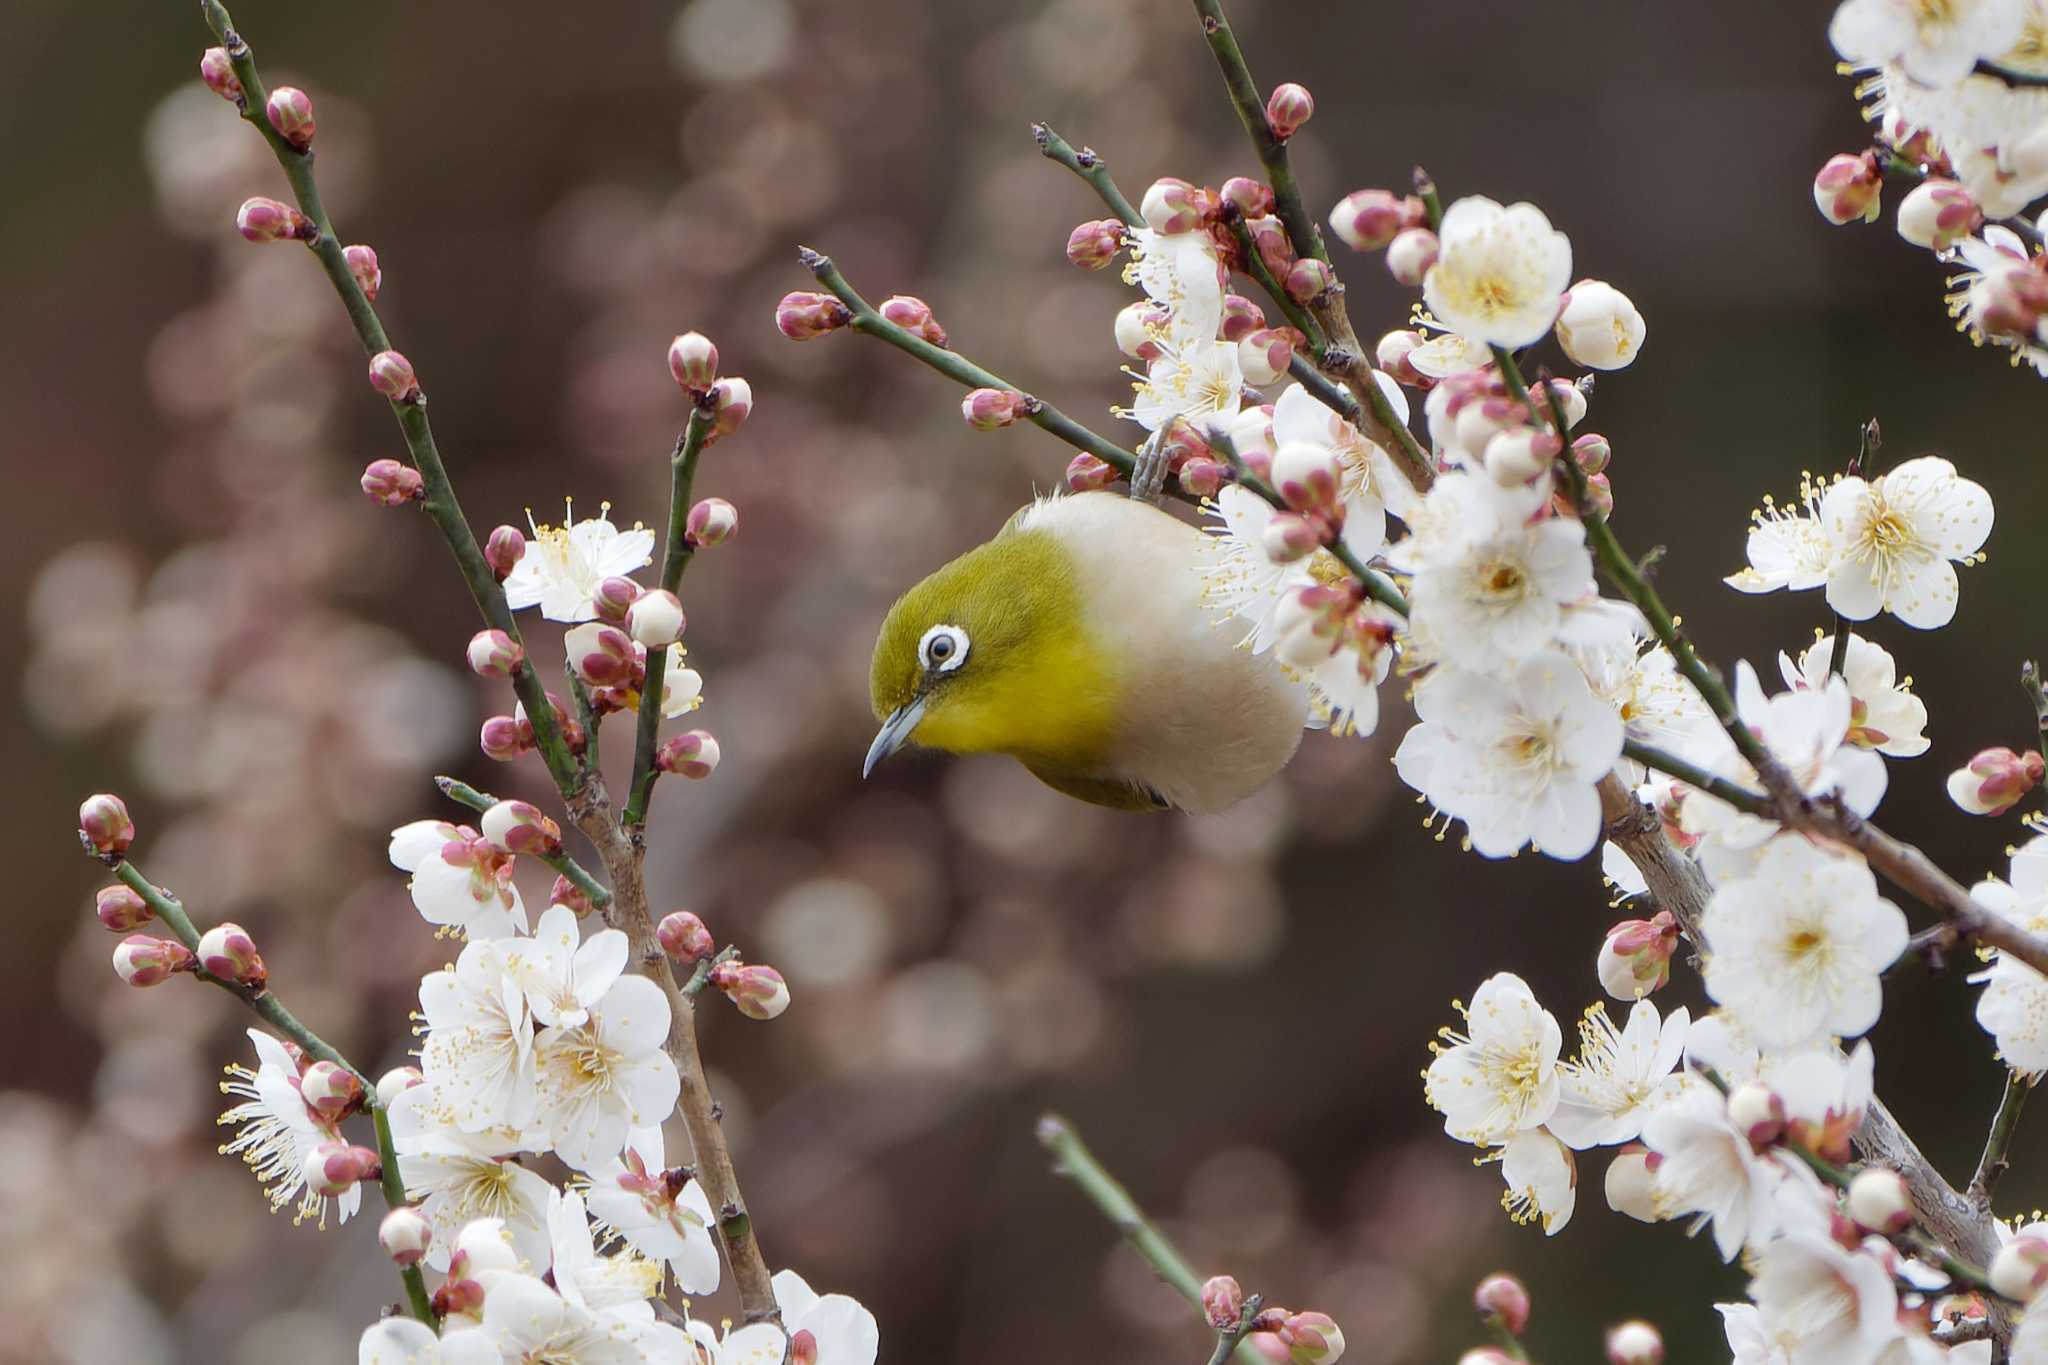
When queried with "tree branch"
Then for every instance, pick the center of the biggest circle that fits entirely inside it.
(1994, 1162)
(1090, 167)
(675, 558)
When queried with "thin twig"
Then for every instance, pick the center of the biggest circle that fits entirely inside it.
(1998, 1142)
(1090, 166)
(579, 876)
(675, 558)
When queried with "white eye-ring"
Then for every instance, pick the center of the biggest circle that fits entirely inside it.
(943, 648)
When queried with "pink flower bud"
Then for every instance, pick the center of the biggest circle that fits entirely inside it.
(914, 316)
(759, 992)
(655, 619)
(1311, 1338)
(711, 522)
(615, 597)
(1757, 1113)
(1519, 455)
(803, 1348)
(1937, 214)
(1086, 473)
(804, 315)
(494, 654)
(1849, 187)
(391, 374)
(1264, 356)
(121, 909)
(1410, 255)
(1222, 1302)
(396, 1082)
(1309, 279)
(1241, 317)
(229, 953)
(1392, 354)
(1591, 452)
(141, 960)
(290, 110)
(1505, 1298)
(392, 483)
(732, 402)
(566, 892)
(1287, 108)
(1251, 198)
(1631, 1183)
(693, 360)
(988, 409)
(1172, 205)
(1634, 1343)
(1306, 476)
(505, 738)
(2020, 1267)
(684, 937)
(1367, 220)
(1635, 957)
(1203, 476)
(694, 754)
(104, 826)
(362, 266)
(504, 549)
(334, 1168)
(405, 1234)
(219, 74)
(1275, 248)
(1290, 537)
(1137, 329)
(329, 1090)
(520, 827)
(1093, 245)
(1879, 1201)
(270, 220)
(602, 655)
(1599, 494)
(1995, 781)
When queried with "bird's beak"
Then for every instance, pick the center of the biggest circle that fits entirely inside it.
(894, 734)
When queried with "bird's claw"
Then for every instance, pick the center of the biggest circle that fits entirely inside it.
(1148, 475)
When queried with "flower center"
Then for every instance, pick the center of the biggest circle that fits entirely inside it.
(485, 1192)
(1889, 533)
(1501, 581)
(1492, 294)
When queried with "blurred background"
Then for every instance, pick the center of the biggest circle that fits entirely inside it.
(208, 617)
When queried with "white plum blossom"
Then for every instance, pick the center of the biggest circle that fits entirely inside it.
(1933, 44)
(528, 1322)
(458, 879)
(661, 1214)
(457, 1177)
(1825, 1094)
(1787, 547)
(682, 687)
(1891, 541)
(1799, 945)
(1240, 581)
(1996, 262)
(2014, 1006)
(1500, 1077)
(1500, 273)
(276, 1131)
(1599, 327)
(563, 565)
(616, 1287)
(1825, 1304)
(1750, 1339)
(1371, 484)
(479, 1052)
(1542, 1179)
(1195, 376)
(561, 973)
(407, 1341)
(839, 1329)
(1490, 586)
(1195, 380)
(1710, 1170)
(1620, 1075)
(1883, 712)
(600, 1078)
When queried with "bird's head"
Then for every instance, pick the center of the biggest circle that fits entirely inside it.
(991, 654)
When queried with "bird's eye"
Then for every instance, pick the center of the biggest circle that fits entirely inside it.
(943, 648)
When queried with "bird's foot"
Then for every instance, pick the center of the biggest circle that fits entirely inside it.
(1148, 476)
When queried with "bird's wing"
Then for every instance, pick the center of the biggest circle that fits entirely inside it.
(1102, 791)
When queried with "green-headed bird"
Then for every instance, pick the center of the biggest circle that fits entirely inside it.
(1077, 642)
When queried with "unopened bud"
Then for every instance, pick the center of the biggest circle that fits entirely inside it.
(494, 654)
(694, 754)
(914, 316)
(1241, 317)
(520, 827)
(1203, 476)
(396, 1082)
(334, 1168)
(1137, 329)
(405, 1234)
(656, 618)
(693, 360)
(1368, 220)
(330, 1090)
(504, 549)
(1392, 354)
(1995, 780)
(391, 374)
(1757, 1113)
(271, 220)
(1937, 214)
(1599, 327)
(1634, 1343)
(1569, 398)
(566, 892)
(1516, 456)
(733, 402)
(1171, 205)
(1306, 476)
(1222, 1302)
(505, 738)
(988, 409)
(219, 74)
(290, 110)
(1252, 198)
(1094, 245)
(615, 597)
(758, 992)
(1410, 255)
(1635, 957)
(1290, 537)
(363, 268)
(1086, 473)
(1599, 495)
(684, 937)
(711, 522)
(120, 909)
(1631, 1183)
(1849, 187)
(1311, 1339)
(1880, 1201)
(1591, 452)
(2020, 1267)
(1287, 108)
(104, 826)
(392, 483)
(1275, 248)
(1264, 356)
(229, 953)
(141, 960)
(1309, 279)
(804, 315)
(1503, 1298)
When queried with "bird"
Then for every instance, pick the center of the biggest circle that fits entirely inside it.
(1076, 640)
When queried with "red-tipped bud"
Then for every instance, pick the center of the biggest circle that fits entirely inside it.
(1849, 186)
(803, 1348)
(1203, 476)
(2020, 1268)
(391, 374)
(1757, 1113)
(1635, 957)
(1265, 355)
(504, 738)
(104, 826)
(121, 910)
(1138, 327)
(335, 1168)
(693, 360)
(732, 402)
(1173, 205)
(1392, 354)
(1634, 1343)
(1241, 317)
(494, 654)
(141, 960)
(1631, 1182)
(271, 220)
(805, 314)
(1287, 108)
(1368, 220)
(229, 953)
(1306, 476)
(988, 409)
(693, 754)
(396, 1082)
(290, 111)
(1086, 473)
(914, 316)
(1879, 1200)
(503, 551)
(603, 655)
(566, 892)
(1995, 781)
(1599, 495)
(684, 937)
(615, 597)
(1937, 214)
(1410, 255)
(1309, 279)
(392, 483)
(656, 618)
(363, 268)
(1251, 198)
(1311, 1338)
(759, 992)
(711, 522)
(1093, 245)
(1505, 1299)
(521, 827)
(1290, 537)
(1222, 1302)
(219, 74)
(330, 1090)
(405, 1234)
(1591, 452)
(1275, 248)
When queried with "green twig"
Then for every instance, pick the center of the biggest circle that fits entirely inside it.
(1297, 316)
(1091, 168)
(579, 876)
(675, 558)
(1998, 1142)
(1671, 765)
